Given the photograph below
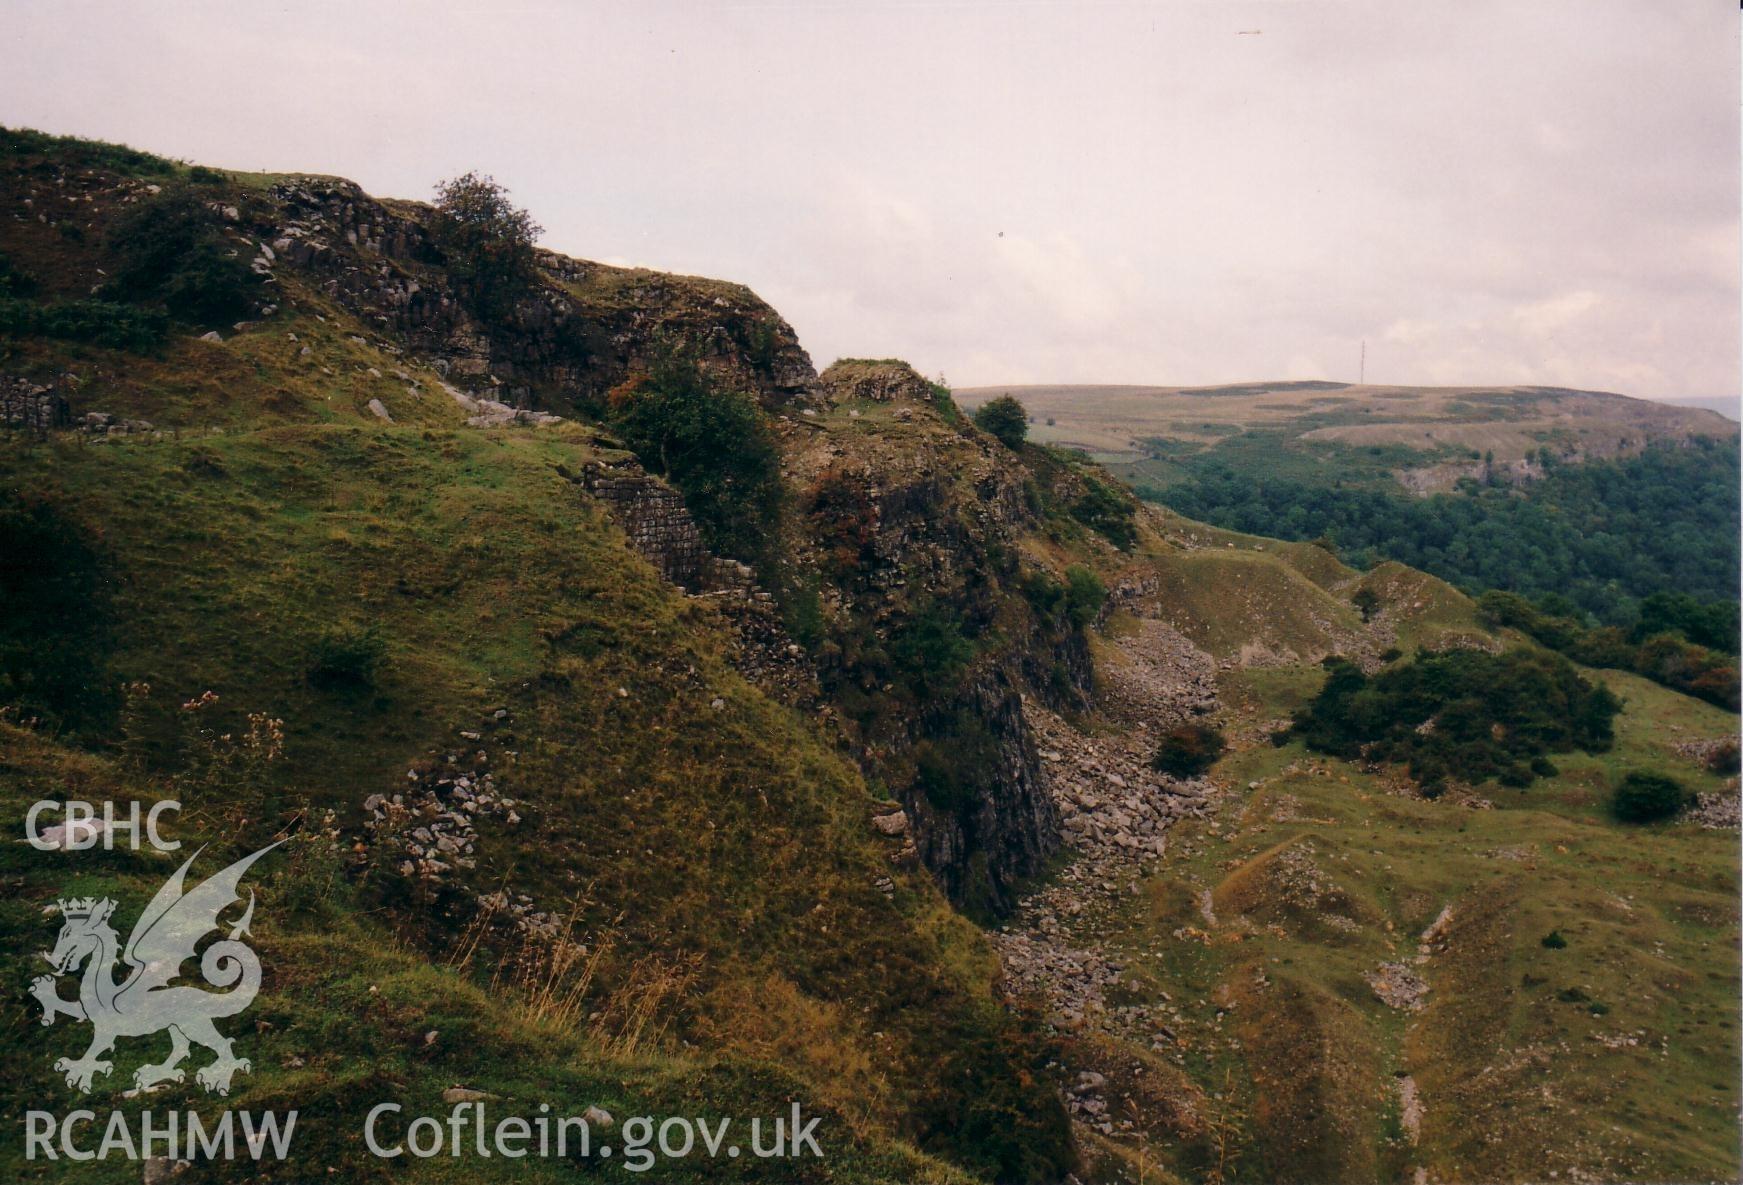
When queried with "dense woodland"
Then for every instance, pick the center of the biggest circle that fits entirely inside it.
(1603, 535)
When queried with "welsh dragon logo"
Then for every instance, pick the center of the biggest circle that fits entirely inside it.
(147, 1000)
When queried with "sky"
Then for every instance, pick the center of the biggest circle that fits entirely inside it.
(1178, 193)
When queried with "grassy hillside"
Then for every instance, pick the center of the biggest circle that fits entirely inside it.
(1328, 977)
(703, 918)
(1610, 1055)
(703, 839)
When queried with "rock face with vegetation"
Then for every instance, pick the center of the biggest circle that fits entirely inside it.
(651, 719)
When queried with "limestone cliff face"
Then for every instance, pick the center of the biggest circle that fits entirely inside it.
(918, 524)
(582, 329)
(1001, 826)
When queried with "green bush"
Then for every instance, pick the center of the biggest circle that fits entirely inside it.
(1043, 593)
(1085, 594)
(1712, 624)
(930, 649)
(1554, 941)
(953, 765)
(1465, 714)
(347, 657)
(1005, 419)
(1647, 798)
(75, 153)
(844, 521)
(1724, 760)
(1188, 750)
(946, 404)
(169, 251)
(14, 280)
(712, 443)
(54, 623)
(1104, 510)
(99, 322)
(1668, 657)
(486, 241)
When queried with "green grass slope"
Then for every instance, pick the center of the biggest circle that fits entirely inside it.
(1608, 1053)
(719, 857)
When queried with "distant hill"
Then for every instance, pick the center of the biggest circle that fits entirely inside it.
(1446, 427)
(1595, 498)
(1729, 406)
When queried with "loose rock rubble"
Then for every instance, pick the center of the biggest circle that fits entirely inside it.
(1116, 811)
(492, 413)
(1398, 986)
(1719, 810)
(1158, 679)
(429, 829)
(101, 423)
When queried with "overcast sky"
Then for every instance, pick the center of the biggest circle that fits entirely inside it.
(1180, 192)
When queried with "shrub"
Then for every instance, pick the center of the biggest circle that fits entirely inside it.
(1103, 510)
(844, 519)
(169, 252)
(1554, 941)
(1004, 419)
(1043, 593)
(486, 240)
(946, 404)
(710, 442)
(54, 623)
(1647, 798)
(1667, 657)
(100, 322)
(953, 764)
(1464, 714)
(1712, 624)
(930, 649)
(1085, 594)
(14, 280)
(1188, 750)
(1723, 760)
(347, 658)
(75, 153)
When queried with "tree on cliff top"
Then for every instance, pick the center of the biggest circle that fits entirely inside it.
(1004, 418)
(487, 241)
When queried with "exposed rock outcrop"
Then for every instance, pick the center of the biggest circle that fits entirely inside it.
(580, 330)
(31, 406)
(997, 825)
